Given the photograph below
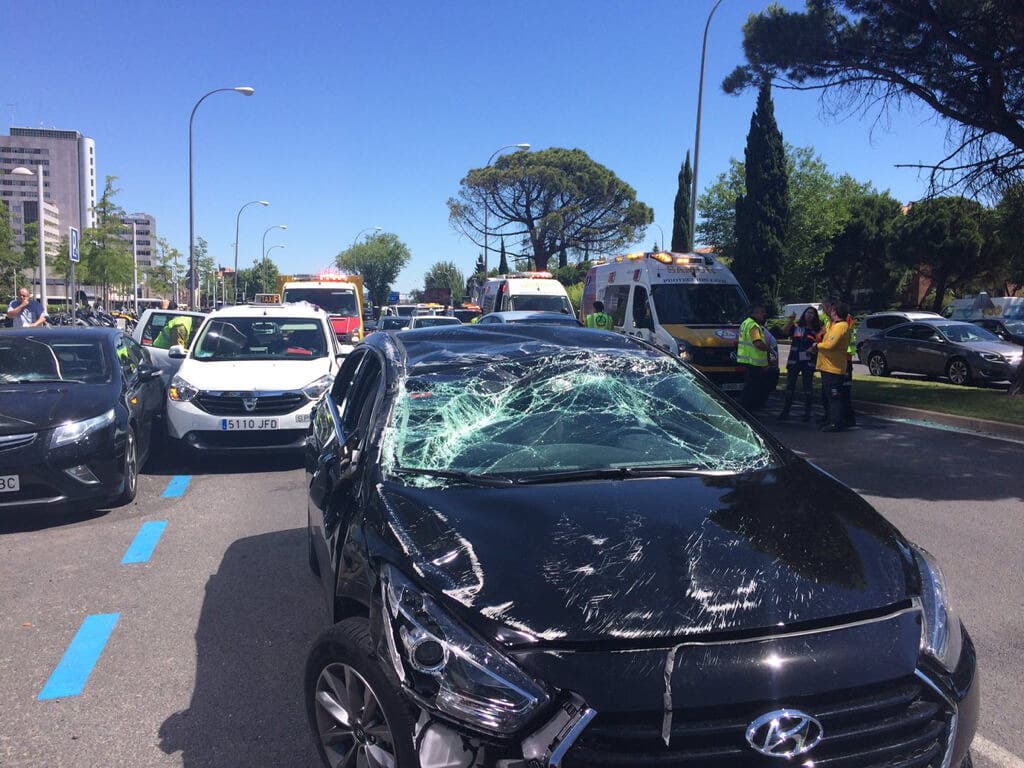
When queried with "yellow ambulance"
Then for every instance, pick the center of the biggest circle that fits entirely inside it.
(687, 303)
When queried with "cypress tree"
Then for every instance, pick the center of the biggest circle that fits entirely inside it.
(681, 236)
(762, 214)
(503, 264)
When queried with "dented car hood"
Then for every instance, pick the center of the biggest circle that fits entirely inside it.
(621, 562)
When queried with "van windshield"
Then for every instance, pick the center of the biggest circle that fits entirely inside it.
(334, 301)
(539, 302)
(699, 304)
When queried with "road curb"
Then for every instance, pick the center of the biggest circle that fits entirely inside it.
(983, 426)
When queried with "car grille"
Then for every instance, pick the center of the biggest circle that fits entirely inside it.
(898, 725)
(270, 438)
(714, 356)
(10, 442)
(230, 404)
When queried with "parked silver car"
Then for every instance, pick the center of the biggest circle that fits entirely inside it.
(879, 322)
(962, 352)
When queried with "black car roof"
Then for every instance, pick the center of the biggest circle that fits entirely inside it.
(453, 343)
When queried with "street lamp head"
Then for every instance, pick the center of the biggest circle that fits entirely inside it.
(283, 226)
(522, 147)
(264, 203)
(245, 90)
(21, 171)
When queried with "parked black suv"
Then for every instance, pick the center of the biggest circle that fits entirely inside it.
(548, 546)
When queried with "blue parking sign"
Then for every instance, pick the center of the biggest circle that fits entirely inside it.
(73, 245)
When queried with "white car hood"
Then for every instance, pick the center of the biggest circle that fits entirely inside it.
(254, 375)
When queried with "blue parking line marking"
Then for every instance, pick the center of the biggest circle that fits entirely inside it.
(71, 674)
(176, 487)
(142, 546)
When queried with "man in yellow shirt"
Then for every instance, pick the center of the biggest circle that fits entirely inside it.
(832, 363)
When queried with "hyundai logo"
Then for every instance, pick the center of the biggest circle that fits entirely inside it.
(249, 403)
(784, 733)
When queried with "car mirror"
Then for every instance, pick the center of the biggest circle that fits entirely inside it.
(148, 372)
(178, 352)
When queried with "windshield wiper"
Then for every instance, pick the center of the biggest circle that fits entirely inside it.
(614, 473)
(450, 474)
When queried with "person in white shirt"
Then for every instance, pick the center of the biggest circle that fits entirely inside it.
(25, 311)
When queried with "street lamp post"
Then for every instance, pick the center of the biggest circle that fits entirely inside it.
(238, 218)
(135, 269)
(263, 250)
(662, 234)
(696, 140)
(523, 147)
(356, 238)
(245, 90)
(40, 227)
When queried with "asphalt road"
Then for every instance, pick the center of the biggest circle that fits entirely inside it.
(203, 667)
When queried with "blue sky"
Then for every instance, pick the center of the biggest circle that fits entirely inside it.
(369, 114)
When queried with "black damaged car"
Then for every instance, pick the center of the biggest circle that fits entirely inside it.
(547, 546)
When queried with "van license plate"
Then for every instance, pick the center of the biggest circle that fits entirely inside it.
(732, 387)
(9, 484)
(250, 424)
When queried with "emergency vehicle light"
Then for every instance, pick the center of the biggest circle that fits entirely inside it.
(327, 276)
(663, 257)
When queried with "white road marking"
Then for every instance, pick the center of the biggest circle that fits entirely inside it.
(982, 747)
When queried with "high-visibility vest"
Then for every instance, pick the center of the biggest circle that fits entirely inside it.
(600, 320)
(168, 335)
(852, 349)
(746, 352)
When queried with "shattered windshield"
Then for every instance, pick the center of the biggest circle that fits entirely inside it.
(576, 411)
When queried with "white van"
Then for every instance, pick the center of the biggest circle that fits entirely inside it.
(985, 307)
(687, 303)
(524, 291)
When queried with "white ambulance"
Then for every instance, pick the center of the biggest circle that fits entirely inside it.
(687, 303)
(524, 291)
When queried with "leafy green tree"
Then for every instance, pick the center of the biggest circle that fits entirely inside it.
(682, 242)
(106, 255)
(1009, 240)
(377, 259)
(858, 255)
(762, 212)
(161, 272)
(557, 199)
(13, 258)
(503, 263)
(261, 277)
(961, 59)
(445, 276)
(942, 238)
(717, 207)
(572, 273)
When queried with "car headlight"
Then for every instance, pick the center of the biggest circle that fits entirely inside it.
(181, 391)
(355, 337)
(448, 667)
(941, 635)
(993, 357)
(76, 430)
(685, 351)
(315, 389)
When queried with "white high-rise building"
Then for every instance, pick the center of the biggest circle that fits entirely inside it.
(69, 172)
(145, 235)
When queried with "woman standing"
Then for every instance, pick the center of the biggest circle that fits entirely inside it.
(803, 334)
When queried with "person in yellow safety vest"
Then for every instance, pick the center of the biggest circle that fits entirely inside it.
(832, 362)
(752, 354)
(599, 319)
(177, 331)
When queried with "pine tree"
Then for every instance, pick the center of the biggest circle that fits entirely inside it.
(762, 214)
(503, 264)
(682, 241)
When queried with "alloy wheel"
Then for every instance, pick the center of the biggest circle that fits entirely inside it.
(352, 727)
(876, 365)
(959, 373)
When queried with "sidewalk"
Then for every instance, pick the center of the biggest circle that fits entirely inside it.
(981, 426)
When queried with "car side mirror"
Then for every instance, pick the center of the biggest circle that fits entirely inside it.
(177, 352)
(148, 372)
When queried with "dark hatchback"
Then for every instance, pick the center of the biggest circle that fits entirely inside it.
(78, 412)
(547, 546)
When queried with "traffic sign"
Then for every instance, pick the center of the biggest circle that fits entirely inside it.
(393, 297)
(73, 245)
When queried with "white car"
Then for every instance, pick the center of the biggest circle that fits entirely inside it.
(251, 378)
(147, 333)
(431, 321)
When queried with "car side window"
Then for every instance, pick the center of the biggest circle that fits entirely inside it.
(155, 324)
(615, 299)
(487, 320)
(138, 355)
(924, 333)
(363, 394)
(343, 381)
(129, 363)
(900, 332)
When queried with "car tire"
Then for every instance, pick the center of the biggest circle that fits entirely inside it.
(958, 372)
(877, 365)
(341, 665)
(131, 468)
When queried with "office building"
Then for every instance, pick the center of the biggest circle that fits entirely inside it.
(27, 212)
(69, 172)
(145, 236)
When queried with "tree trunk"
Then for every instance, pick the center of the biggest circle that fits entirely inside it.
(940, 293)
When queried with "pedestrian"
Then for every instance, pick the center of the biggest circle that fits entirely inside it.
(752, 355)
(599, 319)
(26, 312)
(832, 362)
(803, 334)
(850, 417)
